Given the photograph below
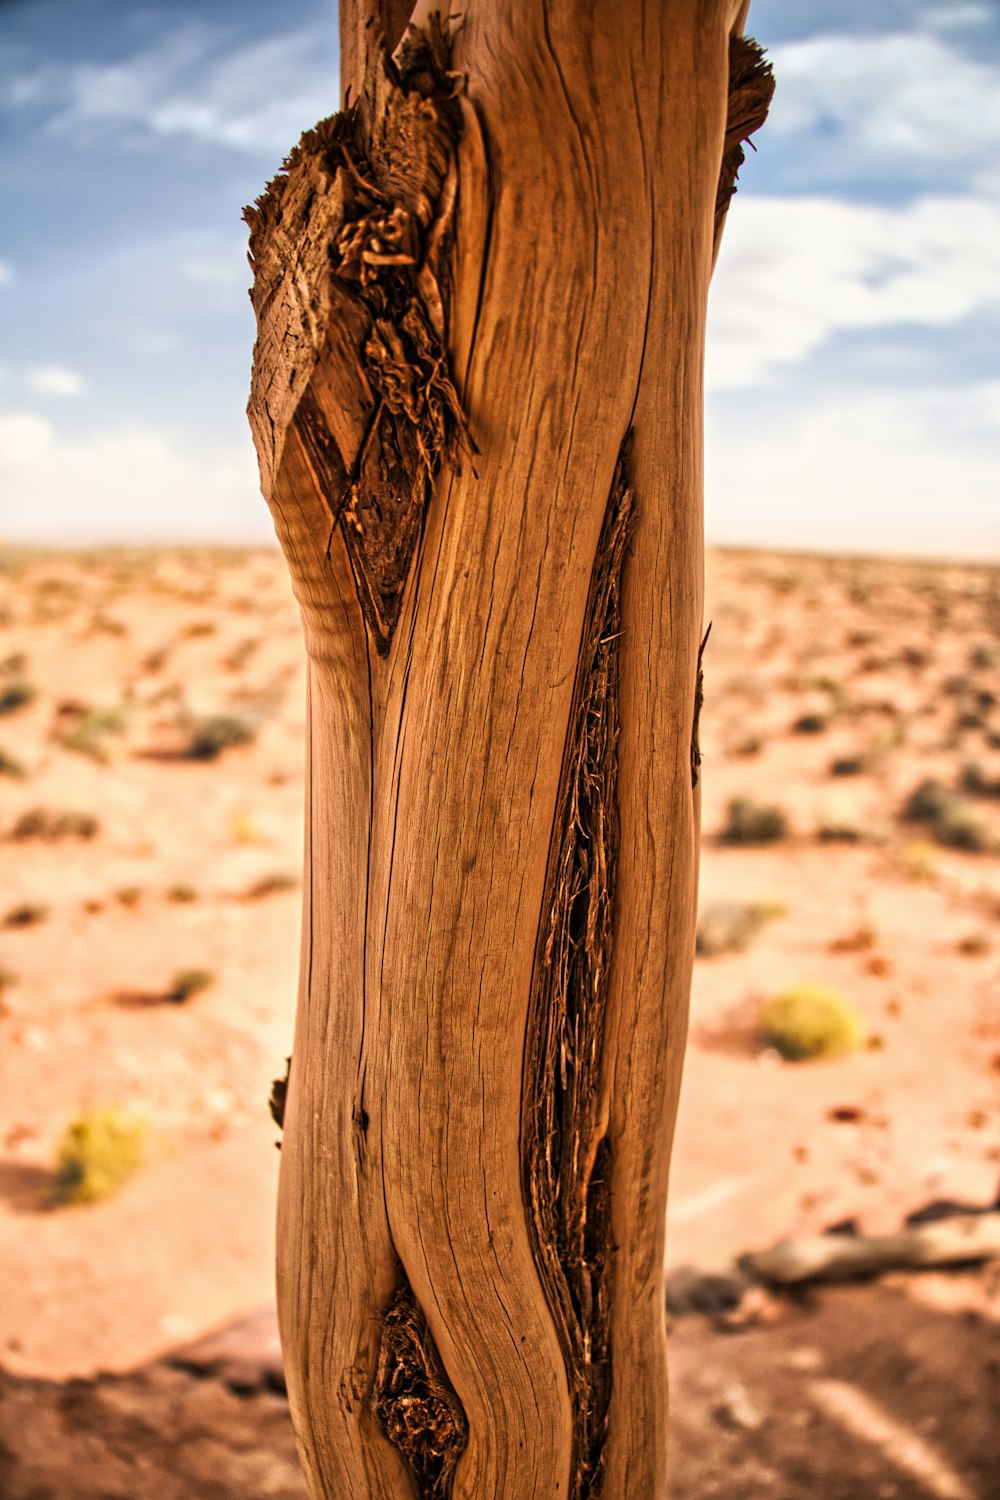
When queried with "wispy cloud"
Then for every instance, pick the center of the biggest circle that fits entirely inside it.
(192, 83)
(909, 103)
(795, 271)
(54, 380)
(6, 274)
(904, 472)
(129, 483)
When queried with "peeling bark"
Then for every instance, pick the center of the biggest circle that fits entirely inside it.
(751, 88)
(369, 196)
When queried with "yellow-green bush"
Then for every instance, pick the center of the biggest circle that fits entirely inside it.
(810, 1021)
(99, 1152)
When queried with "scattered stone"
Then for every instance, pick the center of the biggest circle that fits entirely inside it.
(730, 926)
(736, 1411)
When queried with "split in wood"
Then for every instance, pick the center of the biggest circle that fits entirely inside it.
(566, 1150)
(412, 1400)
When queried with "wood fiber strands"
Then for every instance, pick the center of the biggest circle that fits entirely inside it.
(566, 1149)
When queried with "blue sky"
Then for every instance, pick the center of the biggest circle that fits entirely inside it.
(853, 397)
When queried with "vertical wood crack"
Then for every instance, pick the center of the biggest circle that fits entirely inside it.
(566, 1149)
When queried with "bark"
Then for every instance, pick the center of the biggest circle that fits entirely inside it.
(481, 295)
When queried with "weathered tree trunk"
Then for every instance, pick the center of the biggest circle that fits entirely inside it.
(477, 401)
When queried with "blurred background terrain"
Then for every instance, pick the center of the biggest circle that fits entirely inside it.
(151, 748)
(844, 1060)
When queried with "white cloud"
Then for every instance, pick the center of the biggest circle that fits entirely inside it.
(903, 472)
(908, 99)
(795, 271)
(6, 273)
(54, 380)
(130, 484)
(259, 97)
(957, 14)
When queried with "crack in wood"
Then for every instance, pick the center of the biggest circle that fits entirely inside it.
(751, 88)
(352, 248)
(699, 703)
(566, 1149)
(412, 1399)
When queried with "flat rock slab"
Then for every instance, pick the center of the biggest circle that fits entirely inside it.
(888, 1391)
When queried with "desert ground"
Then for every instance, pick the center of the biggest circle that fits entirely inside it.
(151, 749)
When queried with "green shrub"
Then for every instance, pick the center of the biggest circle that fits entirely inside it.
(810, 1021)
(188, 982)
(749, 822)
(98, 1153)
(219, 732)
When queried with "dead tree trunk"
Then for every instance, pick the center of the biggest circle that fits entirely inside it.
(481, 297)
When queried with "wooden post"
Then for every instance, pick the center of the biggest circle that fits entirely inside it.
(477, 403)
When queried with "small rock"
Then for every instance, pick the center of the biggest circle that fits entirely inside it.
(736, 1411)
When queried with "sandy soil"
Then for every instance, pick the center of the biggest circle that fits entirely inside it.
(855, 1391)
(196, 865)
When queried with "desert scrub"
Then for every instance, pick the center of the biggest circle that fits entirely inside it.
(241, 654)
(730, 926)
(11, 766)
(188, 982)
(218, 732)
(28, 914)
(90, 731)
(271, 885)
(849, 765)
(99, 1152)
(15, 694)
(749, 822)
(52, 825)
(837, 821)
(810, 724)
(977, 783)
(947, 816)
(810, 1021)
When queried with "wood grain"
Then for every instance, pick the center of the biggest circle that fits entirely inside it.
(588, 169)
